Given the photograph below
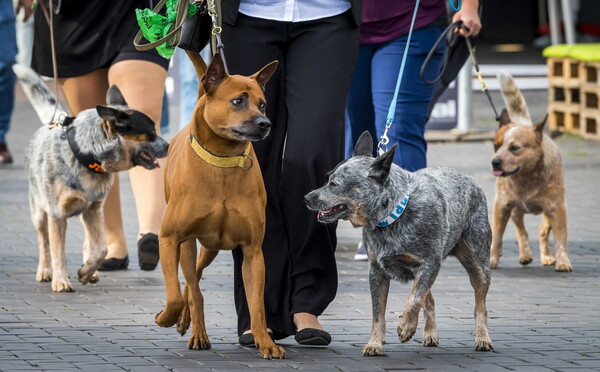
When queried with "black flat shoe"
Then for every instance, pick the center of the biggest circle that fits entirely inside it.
(248, 340)
(148, 251)
(113, 264)
(312, 336)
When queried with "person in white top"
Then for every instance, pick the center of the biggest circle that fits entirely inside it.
(316, 44)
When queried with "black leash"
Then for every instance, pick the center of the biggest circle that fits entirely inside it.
(453, 45)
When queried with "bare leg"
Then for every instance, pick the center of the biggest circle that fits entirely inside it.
(142, 84)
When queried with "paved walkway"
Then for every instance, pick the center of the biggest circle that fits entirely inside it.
(539, 320)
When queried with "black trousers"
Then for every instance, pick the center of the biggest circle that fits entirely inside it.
(305, 103)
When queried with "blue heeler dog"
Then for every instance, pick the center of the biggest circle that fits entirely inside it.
(70, 170)
(411, 223)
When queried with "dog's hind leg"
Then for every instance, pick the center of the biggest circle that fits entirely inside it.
(169, 260)
(199, 338)
(500, 218)
(421, 287)
(94, 245)
(40, 222)
(546, 257)
(430, 335)
(525, 255)
(379, 284)
(472, 252)
(57, 227)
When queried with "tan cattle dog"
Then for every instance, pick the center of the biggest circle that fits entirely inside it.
(215, 194)
(528, 167)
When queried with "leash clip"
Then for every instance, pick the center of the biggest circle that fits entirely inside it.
(58, 123)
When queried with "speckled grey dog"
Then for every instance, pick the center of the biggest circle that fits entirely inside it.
(70, 172)
(411, 222)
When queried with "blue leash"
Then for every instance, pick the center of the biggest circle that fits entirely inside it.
(456, 7)
(382, 145)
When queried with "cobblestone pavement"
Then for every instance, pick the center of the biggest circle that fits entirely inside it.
(539, 320)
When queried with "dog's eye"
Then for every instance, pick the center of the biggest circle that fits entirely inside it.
(237, 101)
(262, 107)
(513, 148)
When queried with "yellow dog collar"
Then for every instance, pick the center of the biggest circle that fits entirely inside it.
(221, 161)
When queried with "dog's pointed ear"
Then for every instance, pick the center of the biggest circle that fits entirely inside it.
(539, 127)
(114, 96)
(265, 73)
(215, 73)
(364, 145)
(380, 169)
(115, 120)
(504, 118)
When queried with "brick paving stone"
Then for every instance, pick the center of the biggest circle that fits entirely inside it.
(538, 319)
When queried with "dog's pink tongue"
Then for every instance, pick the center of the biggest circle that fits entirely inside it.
(323, 212)
(497, 173)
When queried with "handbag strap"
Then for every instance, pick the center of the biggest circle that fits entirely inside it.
(172, 38)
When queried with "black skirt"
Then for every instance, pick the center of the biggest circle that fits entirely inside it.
(89, 35)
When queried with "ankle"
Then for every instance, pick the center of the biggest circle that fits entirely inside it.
(306, 320)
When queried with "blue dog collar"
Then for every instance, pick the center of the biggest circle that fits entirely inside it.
(396, 213)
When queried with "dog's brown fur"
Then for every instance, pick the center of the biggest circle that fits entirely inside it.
(530, 180)
(224, 208)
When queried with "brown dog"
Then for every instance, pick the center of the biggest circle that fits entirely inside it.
(215, 194)
(530, 180)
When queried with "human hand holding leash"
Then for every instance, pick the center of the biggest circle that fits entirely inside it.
(471, 24)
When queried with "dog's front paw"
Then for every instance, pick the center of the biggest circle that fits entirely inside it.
(547, 260)
(494, 262)
(372, 349)
(563, 264)
(431, 340)
(43, 275)
(484, 344)
(199, 340)
(63, 285)
(406, 330)
(270, 351)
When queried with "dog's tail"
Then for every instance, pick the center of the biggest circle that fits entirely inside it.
(513, 99)
(199, 66)
(40, 96)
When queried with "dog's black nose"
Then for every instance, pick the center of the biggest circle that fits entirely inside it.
(496, 163)
(308, 197)
(263, 123)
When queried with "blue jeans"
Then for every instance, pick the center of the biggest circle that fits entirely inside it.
(372, 90)
(8, 51)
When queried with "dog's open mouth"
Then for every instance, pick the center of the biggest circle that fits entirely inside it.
(499, 173)
(147, 161)
(331, 213)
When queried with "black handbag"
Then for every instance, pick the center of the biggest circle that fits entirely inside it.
(196, 30)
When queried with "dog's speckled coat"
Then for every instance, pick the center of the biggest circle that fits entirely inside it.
(446, 215)
(116, 136)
